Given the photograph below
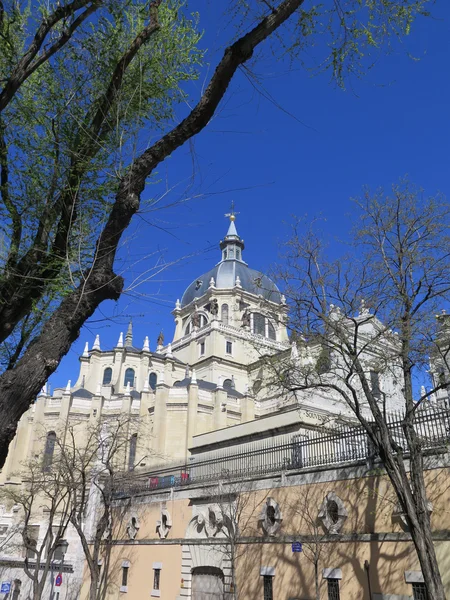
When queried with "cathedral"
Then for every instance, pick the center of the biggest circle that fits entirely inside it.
(206, 398)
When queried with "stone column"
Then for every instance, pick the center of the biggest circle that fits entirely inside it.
(191, 412)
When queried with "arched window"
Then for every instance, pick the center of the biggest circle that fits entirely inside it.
(132, 454)
(107, 376)
(153, 380)
(261, 325)
(187, 331)
(224, 310)
(129, 377)
(49, 451)
(227, 384)
(203, 320)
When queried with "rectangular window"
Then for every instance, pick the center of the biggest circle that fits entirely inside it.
(333, 589)
(125, 576)
(419, 591)
(375, 384)
(229, 348)
(156, 578)
(268, 587)
(202, 348)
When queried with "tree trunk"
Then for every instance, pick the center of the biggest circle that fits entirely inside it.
(19, 385)
(416, 510)
(316, 579)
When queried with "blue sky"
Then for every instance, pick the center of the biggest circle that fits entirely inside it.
(306, 152)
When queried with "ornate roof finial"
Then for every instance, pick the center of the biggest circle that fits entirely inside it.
(68, 386)
(146, 346)
(160, 341)
(86, 350)
(129, 334)
(96, 345)
(232, 214)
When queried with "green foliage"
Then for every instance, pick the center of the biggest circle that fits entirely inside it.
(51, 146)
(343, 38)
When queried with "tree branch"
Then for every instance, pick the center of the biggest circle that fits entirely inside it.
(28, 63)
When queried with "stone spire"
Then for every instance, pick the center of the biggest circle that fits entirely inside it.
(120, 342)
(96, 345)
(146, 346)
(232, 245)
(129, 334)
(86, 350)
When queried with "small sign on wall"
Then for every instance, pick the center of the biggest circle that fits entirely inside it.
(297, 547)
(6, 587)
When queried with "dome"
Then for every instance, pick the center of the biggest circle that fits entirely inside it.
(226, 272)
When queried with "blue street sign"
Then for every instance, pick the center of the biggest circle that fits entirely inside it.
(297, 547)
(6, 587)
(58, 580)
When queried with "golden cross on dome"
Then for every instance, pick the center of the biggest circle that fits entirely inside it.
(232, 214)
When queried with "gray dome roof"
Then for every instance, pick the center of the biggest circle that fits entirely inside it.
(225, 274)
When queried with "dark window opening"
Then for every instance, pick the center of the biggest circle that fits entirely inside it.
(49, 451)
(238, 253)
(227, 384)
(156, 578)
(202, 348)
(257, 386)
(419, 591)
(259, 324)
(107, 376)
(270, 513)
(224, 314)
(129, 378)
(132, 455)
(271, 331)
(152, 380)
(164, 521)
(212, 519)
(333, 511)
(333, 589)
(229, 348)
(375, 383)
(125, 576)
(268, 587)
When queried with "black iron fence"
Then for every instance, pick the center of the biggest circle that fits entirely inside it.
(304, 449)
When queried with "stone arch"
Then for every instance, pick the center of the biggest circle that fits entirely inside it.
(332, 513)
(164, 524)
(271, 517)
(207, 583)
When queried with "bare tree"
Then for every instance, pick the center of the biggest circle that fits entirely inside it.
(42, 498)
(90, 470)
(239, 509)
(375, 360)
(72, 486)
(312, 535)
(83, 82)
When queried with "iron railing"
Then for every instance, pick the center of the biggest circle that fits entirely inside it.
(305, 449)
